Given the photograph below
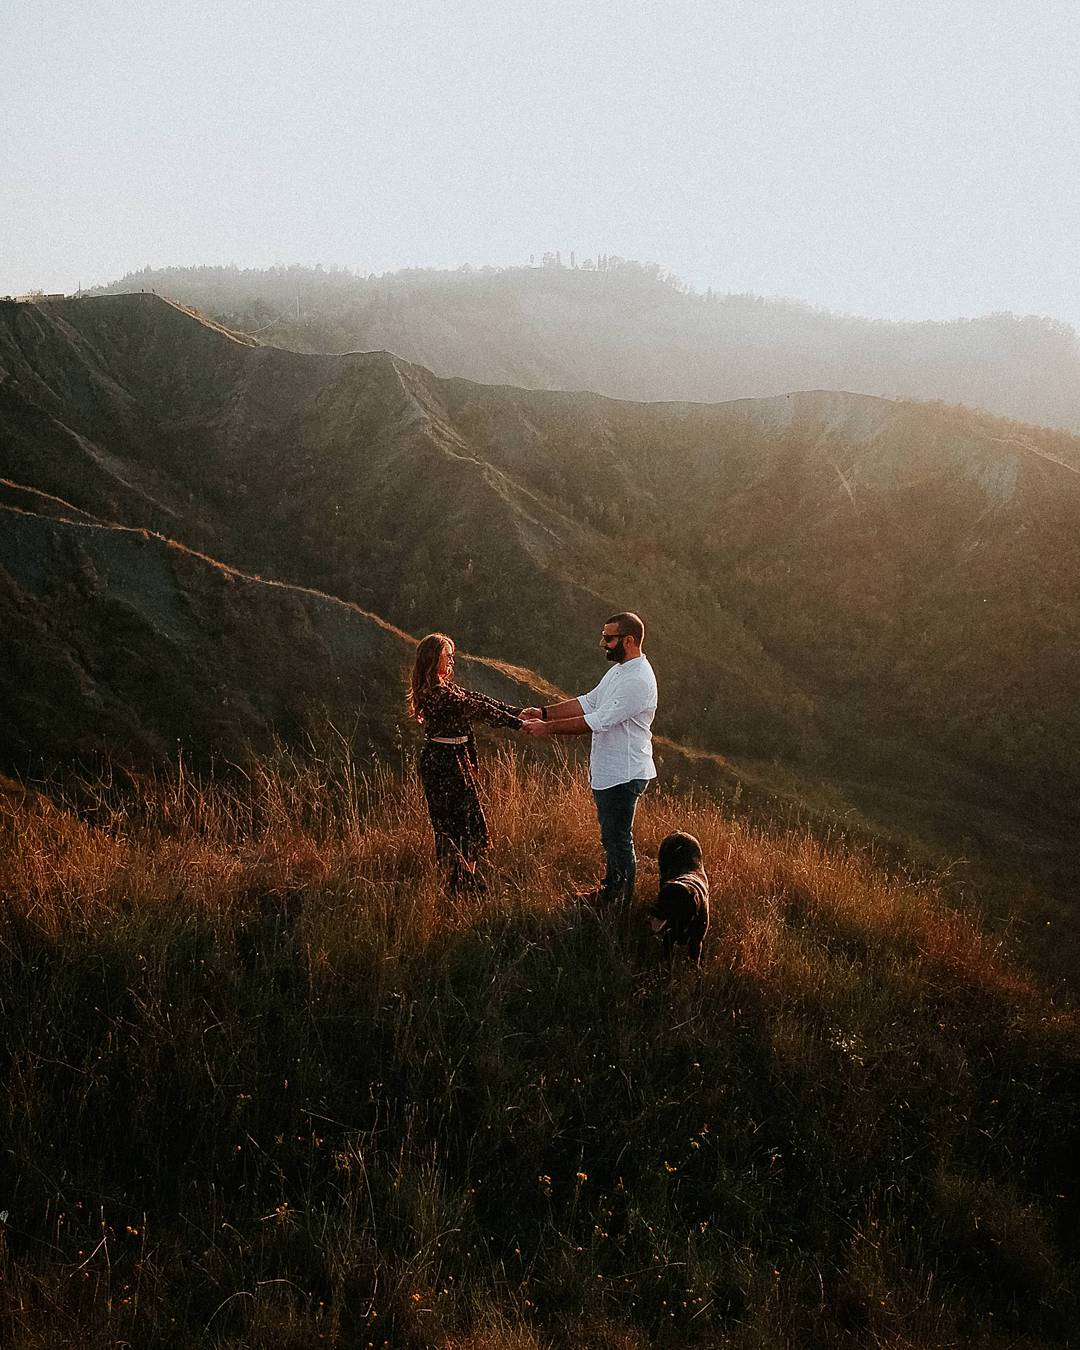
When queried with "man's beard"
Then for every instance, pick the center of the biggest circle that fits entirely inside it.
(616, 653)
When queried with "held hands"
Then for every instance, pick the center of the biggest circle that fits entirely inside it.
(533, 722)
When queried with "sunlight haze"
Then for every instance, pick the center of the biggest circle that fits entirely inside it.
(899, 161)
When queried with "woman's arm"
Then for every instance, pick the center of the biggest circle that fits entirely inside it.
(480, 708)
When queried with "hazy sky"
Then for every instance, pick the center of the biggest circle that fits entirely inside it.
(899, 158)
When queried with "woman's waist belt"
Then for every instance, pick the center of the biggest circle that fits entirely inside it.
(448, 740)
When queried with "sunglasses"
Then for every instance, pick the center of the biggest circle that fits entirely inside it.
(612, 637)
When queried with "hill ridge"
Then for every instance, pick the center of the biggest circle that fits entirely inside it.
(405, 366)
(628, 332)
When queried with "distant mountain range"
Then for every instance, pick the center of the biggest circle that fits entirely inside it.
(631, 331)
(872, 601)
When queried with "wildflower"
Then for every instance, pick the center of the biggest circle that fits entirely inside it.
(581, 1176)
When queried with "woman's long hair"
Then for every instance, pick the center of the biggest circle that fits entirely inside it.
(425, 671)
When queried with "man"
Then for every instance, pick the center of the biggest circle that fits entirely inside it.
(618, 713)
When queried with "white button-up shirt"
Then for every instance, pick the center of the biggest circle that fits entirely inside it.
(620, 711)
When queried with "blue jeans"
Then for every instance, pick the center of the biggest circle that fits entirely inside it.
(615, 807)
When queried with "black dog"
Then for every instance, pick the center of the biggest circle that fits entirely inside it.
(681, 911)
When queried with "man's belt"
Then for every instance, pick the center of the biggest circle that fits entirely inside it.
(448, 740)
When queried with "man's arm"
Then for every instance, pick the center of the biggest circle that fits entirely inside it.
(571, 708)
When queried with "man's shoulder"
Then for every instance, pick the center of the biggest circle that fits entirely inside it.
(609, 677)
(640, 669)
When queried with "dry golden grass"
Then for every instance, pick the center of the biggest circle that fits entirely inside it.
(182, 845)
(266, 1084)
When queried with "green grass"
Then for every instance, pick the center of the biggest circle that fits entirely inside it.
(265, 1085)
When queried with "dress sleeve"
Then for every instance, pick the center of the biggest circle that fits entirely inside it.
(479, 708)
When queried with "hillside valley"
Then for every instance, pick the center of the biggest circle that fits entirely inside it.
(866, 607)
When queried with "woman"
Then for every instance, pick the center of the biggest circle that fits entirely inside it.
(448, 758)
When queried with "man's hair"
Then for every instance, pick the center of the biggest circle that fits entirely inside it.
(629, 626)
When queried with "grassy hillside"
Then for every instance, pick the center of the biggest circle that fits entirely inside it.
(632, 331)
(265, 1086)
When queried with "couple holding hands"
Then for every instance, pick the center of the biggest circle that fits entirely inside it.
(618, 715)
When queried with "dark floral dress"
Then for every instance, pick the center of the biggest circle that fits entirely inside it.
(448, 774)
